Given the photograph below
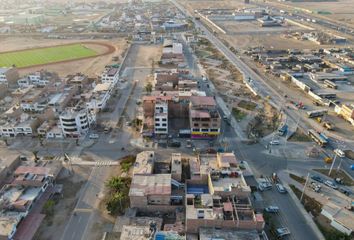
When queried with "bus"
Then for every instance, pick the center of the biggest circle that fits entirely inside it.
(330, 84)
(317, 138)
(316, 113)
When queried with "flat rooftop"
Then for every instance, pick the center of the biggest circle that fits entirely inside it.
(130, 232)
(144, 163)
(224, 234)
(145, 185)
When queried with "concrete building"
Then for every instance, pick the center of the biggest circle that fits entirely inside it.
(217, 195)
(37, 79)
(110, 75)
(144, 163)
(161, 117)
(98, 98)
(35, 100)
(204, 118)
(9, 76)
(75, 122)
(150, 190)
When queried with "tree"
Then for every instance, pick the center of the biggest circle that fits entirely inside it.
(116, 183)
(148, 87)
(35, 154)
(48, 207)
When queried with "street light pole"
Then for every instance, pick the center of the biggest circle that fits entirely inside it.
(334, 160)
(303, 190)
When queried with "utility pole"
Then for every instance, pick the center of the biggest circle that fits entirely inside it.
(334, 160)
(303, 190)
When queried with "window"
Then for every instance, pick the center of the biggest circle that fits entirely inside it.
(196, 125)
(157, 124)
(195, 129)
(205, 125)
(214, 130)
(205, 130)
(69, 124)
(164, 124)
(214, 125)
(164, 119)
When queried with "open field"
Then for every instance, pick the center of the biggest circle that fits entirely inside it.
(38, 56)
(91, 66)
(253, 27)
(341, 10)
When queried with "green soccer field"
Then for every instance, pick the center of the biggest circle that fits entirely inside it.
(39, 56)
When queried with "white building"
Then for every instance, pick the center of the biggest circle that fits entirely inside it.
(33, 79)
(8, 75)
(177, 48)
(100, 96)
(161, 117)
(75, 122)
(110, 75)
(23, 126)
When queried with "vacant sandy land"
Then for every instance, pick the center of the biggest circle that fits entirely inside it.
(269, 40)
(253, 26)
(91, 67)
(200, 4)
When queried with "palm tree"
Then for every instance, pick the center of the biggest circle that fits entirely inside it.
(119, 197)
(148, 87)
(116, 183)
(35, 154)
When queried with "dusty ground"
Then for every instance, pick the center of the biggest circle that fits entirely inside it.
(91, 67)
(52, 227)
(236, 27)
(342, 10)
(274, 40)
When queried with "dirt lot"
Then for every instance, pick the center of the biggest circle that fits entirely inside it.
(53, 226)
(341, 10)
(92, 67)
(274, 40)
(237, 27)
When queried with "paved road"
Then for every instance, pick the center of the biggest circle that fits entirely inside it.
(107, 148)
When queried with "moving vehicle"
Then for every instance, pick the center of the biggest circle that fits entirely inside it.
(317, 138)
(331, 184)
(272, 209)
(283, 231)
(93, 136)
(316, 113)
(281, 188)
(329, 126)
(317, 178)
(283, 130)
(339, 153)
(274, 142)
(315, 187)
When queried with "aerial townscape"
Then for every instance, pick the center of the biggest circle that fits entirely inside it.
(176, 119)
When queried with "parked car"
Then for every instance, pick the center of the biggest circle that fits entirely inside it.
(339, 153)
(263, 186)
(315, 187)
(272, 209)
(331, 184)
(93, 136)
(274, 142)
(344, 191)
(317, 178)
(283, 231)
(175, 144)
(281, 188)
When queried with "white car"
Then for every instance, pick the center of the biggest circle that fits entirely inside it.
(283, 231)
(339, 153)
(281, 188)
(330, 184)
(93, 136)
(274, 142)
(272, 209)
